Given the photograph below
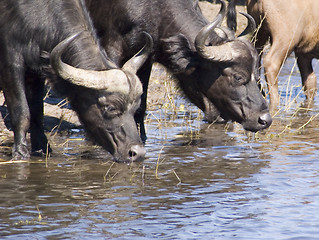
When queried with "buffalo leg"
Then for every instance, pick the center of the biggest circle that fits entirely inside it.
(144, 74)
(308, 77)
(35, 91)
(212, 115)
(13, 87)
(261, 40)
(272, 63)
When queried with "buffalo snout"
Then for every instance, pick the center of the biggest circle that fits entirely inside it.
(265, 120)
(136, 153)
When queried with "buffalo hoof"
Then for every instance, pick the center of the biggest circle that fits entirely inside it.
(41, 152)
(144, 138)
(20, 152)
(215, 119)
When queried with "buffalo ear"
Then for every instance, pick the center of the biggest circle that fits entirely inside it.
(176, 53)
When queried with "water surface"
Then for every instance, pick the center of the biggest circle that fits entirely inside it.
(199, 181)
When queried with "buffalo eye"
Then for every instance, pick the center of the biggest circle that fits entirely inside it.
(109, 108)
(110, 111)
(238, 78)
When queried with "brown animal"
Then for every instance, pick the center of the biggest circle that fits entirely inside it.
(290, 25)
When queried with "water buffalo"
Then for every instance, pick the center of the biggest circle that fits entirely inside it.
(220, 74)
(291, 26)
(104, 96)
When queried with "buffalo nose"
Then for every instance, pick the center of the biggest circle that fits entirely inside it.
(136, 153)
(265, 120)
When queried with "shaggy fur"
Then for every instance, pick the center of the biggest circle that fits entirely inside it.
(174, 26)
(30, 28)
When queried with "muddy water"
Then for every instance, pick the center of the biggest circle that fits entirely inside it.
(199, 181)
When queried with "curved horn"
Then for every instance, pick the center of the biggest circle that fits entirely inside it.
(220, 53)
(205, 31)
(137, 61)
(113, 80)
(107, 61)
(251, 27)
(225, 33)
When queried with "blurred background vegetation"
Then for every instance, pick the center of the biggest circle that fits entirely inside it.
(240, 2)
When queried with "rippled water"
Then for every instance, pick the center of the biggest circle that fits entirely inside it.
(199, 181)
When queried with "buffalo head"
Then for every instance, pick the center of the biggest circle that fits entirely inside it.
(219, 74)
(106, 101)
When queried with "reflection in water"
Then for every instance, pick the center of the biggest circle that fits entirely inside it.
(199, 181)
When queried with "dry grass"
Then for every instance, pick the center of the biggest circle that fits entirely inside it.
(291, 105)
